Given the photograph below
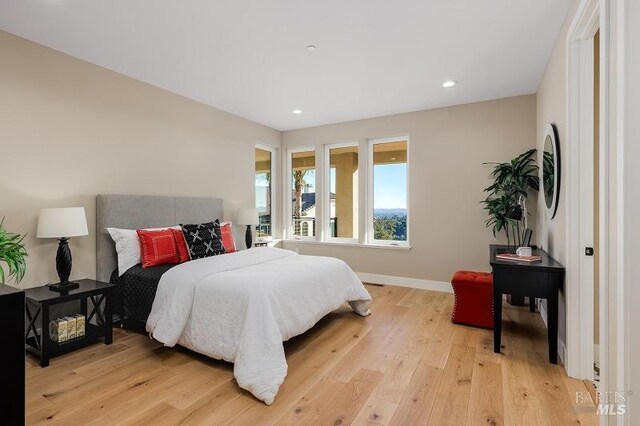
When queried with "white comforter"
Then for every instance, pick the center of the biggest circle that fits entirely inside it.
(240, 307)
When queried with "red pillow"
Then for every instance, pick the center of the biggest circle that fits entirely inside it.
(226, 232)
(181, 246)
(157, 247)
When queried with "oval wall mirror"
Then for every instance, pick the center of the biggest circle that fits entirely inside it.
(551, 170)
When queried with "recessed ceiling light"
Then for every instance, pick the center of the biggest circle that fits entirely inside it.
(449, 83)
(297, 111)
(312, 48)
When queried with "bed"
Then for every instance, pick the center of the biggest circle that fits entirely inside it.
(238, 307)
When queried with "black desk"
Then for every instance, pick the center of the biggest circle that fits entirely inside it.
(541, 280)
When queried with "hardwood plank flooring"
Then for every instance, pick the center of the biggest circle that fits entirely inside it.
(405, 364)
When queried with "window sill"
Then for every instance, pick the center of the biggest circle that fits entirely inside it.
(349, 244)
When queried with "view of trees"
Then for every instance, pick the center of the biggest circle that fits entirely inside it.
(392, 227)
(299, 184)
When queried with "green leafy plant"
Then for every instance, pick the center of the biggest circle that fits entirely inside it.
(548, 174)
(506, 199)
(13, 254)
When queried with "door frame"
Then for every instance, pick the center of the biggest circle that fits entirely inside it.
(590, 16)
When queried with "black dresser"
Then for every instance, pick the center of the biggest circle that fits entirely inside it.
(12, 379)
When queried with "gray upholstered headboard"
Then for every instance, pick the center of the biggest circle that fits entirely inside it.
(144, 211)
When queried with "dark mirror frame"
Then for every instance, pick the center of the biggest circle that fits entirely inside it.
(552, 132)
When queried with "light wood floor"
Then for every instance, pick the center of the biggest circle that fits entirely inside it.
(404, 364)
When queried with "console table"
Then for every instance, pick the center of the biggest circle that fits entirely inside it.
(540, 279)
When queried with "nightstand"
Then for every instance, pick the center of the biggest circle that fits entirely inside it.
(261, 244)
(41, 299)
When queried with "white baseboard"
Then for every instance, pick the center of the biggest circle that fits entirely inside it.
(405, 282)
(543, 312)
(562, 349)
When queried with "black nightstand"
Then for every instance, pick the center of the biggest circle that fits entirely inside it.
(40, 300)
(261, 244)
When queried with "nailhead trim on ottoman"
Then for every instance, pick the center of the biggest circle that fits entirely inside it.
(473, 298)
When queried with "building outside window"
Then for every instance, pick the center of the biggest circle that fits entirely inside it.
(343, 191)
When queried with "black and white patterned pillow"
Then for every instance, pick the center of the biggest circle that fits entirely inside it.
(203, 240)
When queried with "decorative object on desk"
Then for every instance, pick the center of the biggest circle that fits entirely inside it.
(250, 218)
(13, 254)
(62, 223)
(507, 196)
(551, 170)
(526, 241)
(523, 251)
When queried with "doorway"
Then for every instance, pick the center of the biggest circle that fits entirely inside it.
(586, 193)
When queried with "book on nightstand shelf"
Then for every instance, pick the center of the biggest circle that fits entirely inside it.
(71, 327)
(80, 325)
(58, 330)
(515, 258)
(62, 330)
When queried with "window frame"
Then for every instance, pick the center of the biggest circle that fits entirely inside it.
(326, 193)
(370, 240)
(272, 191)
(288, 231)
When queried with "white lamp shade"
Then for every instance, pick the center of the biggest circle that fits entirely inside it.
(62, 223)
(247, 217)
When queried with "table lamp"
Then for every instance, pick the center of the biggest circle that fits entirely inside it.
(62, 223)
(248, 217)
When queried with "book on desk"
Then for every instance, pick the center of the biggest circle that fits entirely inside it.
(512, 257)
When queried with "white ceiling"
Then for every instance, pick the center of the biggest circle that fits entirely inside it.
(374, 57)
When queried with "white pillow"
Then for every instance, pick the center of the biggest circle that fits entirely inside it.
(128, 246)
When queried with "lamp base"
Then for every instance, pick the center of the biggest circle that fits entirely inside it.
(63, 287)
(248, 239)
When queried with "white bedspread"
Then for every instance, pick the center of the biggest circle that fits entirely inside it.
(240, 307)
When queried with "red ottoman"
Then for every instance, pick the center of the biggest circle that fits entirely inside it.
(473, 292)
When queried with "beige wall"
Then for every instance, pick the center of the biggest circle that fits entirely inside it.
(447, 149)
(551, 108)
(70, 130)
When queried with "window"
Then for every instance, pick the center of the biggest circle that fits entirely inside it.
(342, 192)
(388, 214)
(263, 191)
(326, 200)
(302, 172)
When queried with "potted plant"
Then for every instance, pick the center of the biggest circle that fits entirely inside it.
(12, 254)
(506, 199)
